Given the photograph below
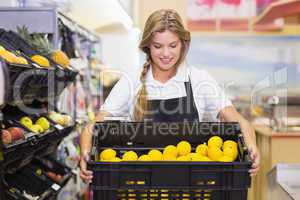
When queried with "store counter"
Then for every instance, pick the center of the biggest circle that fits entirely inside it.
(284, 182)
(275, 147)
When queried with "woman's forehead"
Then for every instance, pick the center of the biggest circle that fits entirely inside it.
(165, 37)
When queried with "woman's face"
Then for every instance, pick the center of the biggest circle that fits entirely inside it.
(165, 49)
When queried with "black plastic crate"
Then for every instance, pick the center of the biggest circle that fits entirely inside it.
(49, 165)
(26, 83)
(29, 180)
(60, 77)
(20, 152)
(167, 179)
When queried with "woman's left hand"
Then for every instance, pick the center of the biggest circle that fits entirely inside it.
(254, 155)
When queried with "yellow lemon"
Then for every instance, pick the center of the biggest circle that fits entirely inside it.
(170, 149)
(231, 152)
(130, 156)
(144, 158)
(202, 149)
(155, 155)
(183, 148)
(183, 158)
(194, 156)
(169, 157)
(205, 159)
(225, 158)
(108, 154)
(214, 153)
(229, 143)
(200, 158)
(215, 141)
(116, 159)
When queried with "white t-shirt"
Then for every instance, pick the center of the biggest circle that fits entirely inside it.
(209, 97)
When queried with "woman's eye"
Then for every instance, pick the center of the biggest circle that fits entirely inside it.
(173, 46)
(156, 47)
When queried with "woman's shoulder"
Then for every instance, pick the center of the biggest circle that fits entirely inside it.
(199, 75)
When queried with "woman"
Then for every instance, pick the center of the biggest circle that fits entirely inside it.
(167, 89)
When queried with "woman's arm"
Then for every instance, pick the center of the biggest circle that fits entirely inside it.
(86, 144)
(229, 114)
(86, 135)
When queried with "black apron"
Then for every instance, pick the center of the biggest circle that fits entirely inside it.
(174, 110)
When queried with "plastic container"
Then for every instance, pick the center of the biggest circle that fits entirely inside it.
(35, 86)
(29, 181)
(167, 180)
(50, 165)
(21, 152)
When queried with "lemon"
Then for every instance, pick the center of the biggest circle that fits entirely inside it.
(108, 154)
(183, 148)
(200, 158)
(214, 153)
(130, 156)
(202, 149)
(169, 157)
(215, 141)
(229, 143)
(193, 156)
(183, 158)
(116, 159)
(170, 149)
(231, 152)
(144, 158)
(225, 158)
(155, 155)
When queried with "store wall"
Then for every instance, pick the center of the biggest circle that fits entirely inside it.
(120, 50)
(146, 7)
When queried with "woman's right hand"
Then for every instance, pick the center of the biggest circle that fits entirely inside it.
(85, 174)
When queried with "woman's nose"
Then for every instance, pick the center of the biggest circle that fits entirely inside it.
(166, 52)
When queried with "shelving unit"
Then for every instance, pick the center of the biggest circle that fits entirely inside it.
(34, 94)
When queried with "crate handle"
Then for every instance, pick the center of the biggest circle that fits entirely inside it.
(33, 141)
(135, 182)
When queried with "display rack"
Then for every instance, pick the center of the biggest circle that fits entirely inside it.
(21, 155)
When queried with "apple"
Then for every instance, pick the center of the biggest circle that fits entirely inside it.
(26, 121)
(43, 122)
(36, 128)
(16, 133)
(6, 137)
(55, 177)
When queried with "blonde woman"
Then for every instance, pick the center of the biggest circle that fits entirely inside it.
(167, 89)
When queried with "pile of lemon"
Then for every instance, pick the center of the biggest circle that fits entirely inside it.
(214, 150)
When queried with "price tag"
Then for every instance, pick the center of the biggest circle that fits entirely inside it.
(55, 187)
(59, 127)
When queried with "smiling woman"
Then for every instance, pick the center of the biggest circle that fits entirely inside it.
(167, 89)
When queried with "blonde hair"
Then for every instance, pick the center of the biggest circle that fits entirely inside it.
(158, 21)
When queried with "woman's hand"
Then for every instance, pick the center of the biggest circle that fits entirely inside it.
(254, 155)
(85, 174)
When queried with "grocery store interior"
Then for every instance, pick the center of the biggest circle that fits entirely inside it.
(59, 60)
